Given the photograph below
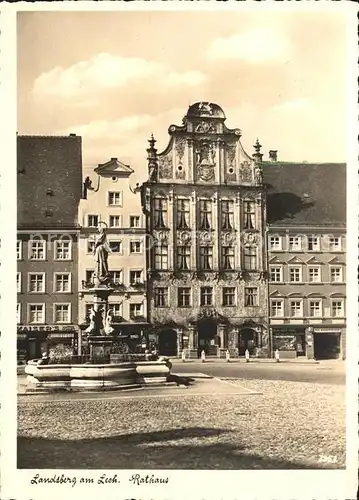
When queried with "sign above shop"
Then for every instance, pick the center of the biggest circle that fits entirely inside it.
(327, 330)
(46, 328)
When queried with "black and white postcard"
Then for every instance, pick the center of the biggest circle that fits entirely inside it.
(179, 219)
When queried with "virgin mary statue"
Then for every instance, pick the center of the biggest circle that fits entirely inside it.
(101, 251)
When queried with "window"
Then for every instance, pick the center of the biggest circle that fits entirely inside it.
(36, 313)
(135, 277)
(205, 257)
(161, 297)
(206, 296)
(37, 250)
(37, 282)
(116, 310)
(93, 220)
(115, 246)
(296, 308)
(228, 257)
(114, 198)
(227, 214)
(62, 313)
(250, 296)
(115, 221)
(336, 274)
(334, 244)
(62, 282)
(250, 258)
(19, 249)
(89, 274)
(313, 243)
(63, 250)
(18, 282)
(229, 295)
(205, 214)
(249, 215)
(315, 308)
(295, 274)
(314, 274)
(338, 308)
(184, 297)
(277, 309)
(135, 247)
(275, 274)
(295, 243)
(18, 313)
(182, 214)
(115, 277)
(88, 308)
(134, 221)
(275, 243)
(160, 213)
(161, 257)
(184, 257)
(90, 246)
(135, 310)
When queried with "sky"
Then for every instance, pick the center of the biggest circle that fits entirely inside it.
(116, 77)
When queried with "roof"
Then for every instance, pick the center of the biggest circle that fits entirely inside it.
(305, 194)
(114, 167)
(49, 181)
(205, 110)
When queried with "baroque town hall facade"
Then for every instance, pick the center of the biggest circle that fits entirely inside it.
(205, 207)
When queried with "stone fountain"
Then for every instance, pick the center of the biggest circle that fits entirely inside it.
(94, 375)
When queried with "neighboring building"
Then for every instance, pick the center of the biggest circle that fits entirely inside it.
(306, 209)
(205, 209)
(49, 180)
(108, 198)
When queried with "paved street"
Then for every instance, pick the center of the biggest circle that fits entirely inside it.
(235, 420)
(325, 372)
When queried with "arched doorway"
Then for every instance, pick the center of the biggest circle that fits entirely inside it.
(207, 337)
(246, 340)
(167, 342)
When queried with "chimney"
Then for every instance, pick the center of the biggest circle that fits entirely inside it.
(273, 155)
(72, 135)
(113, 159)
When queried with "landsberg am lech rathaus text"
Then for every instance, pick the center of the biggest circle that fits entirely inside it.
(219, 250)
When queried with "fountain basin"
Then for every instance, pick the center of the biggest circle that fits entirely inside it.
(96, 376)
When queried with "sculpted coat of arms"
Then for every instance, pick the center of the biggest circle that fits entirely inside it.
(205, 161)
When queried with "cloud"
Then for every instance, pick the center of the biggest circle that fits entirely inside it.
(255, 46)
(105, 72)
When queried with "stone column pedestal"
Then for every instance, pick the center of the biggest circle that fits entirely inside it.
(100, 346)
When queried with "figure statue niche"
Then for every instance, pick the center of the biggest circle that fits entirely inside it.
(101, 251)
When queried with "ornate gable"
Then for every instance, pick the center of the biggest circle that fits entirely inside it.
(114, 167)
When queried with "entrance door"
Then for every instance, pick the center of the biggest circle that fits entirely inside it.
(167, 343)
(207, 337)
(246, 341)
(326, 345)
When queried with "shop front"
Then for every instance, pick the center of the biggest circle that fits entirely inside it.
(290, 342)
(32, 340)
(327, 343)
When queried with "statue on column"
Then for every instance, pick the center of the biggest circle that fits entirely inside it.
(101, 251)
